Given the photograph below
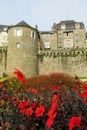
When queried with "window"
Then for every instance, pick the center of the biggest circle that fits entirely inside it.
(5, 29)
(47, 45)
(59, 35)
(77, 26)
(5, 38)
(17, 45)
(18, 32)
(77, 37)
(68, 43)
(59, 44)
(63, 26)
(33, 35)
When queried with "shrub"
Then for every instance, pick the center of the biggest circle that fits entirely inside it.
(54, 102)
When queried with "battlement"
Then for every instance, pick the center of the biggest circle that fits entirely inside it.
(3, 48)
(63, 52)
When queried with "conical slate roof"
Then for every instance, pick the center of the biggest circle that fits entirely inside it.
(23, 23)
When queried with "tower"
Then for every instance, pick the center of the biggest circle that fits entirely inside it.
(22, 49)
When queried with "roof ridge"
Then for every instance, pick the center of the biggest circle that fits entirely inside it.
(22, 23)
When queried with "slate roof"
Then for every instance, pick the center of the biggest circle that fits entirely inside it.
(22, 24)
(2, 27)
(70, 25)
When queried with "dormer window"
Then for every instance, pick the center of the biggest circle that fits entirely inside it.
(77, 25)
(5, 29)
(63, 26)
(18, 32)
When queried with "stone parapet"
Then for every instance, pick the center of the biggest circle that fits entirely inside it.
(63, 52)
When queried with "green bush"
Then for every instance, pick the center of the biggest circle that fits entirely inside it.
(54, 102)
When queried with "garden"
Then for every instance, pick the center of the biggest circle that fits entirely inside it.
(56, 101)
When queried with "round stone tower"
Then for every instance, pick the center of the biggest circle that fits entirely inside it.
(22, 49)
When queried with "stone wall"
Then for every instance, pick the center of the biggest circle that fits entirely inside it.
(24, 56)
(3, 61)
(69, 61)
(51, 37)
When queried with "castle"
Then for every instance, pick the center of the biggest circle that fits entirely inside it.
(34, 52)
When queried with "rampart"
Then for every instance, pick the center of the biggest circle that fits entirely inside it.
(72, 61)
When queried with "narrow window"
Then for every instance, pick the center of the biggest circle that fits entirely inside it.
(59, 44)
(33, 35)
(68, 43)
(17, 45)
(5, 38)
(77, 37)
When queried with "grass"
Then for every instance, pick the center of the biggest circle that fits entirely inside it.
(82, 77)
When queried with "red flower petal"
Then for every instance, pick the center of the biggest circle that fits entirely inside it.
(29, 111)
(84, 87)
(40, 111)
(74, 122)
(49, 122)
(51, 113)
(84, 95)
(20, 75)
(35, 91)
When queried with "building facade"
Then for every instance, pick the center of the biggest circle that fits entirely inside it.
(3, 35)
(66, 34)
(34, 52)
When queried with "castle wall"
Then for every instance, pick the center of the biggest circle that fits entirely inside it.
(72, 62)
(3, 58)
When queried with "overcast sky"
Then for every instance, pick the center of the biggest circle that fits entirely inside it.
(42, 12)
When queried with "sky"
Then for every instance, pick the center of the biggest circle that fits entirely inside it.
(43, 13)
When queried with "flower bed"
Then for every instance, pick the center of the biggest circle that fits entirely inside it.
(48, 102)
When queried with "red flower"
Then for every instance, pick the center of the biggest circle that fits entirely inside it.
(55, 98)
(15, 103)
(35, 91)
(84, 88)
(84, 95)
(23, 104)
(54, 88)
(54, 106)
(4, 90)
(23, 110)
(29, 111)
(33, 105)
(51, 113)
(74, 122)
(20, 75)
(40, 111)
(49, 122)
(28, 90)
